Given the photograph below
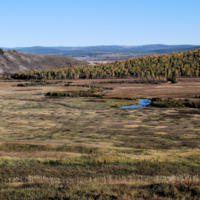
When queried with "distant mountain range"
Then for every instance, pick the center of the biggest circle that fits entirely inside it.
(113, 52)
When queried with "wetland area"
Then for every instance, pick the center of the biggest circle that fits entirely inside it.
(89, 148)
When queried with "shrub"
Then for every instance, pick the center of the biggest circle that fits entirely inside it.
(174, 78)
(1, 51)
(170, 103)
(73, 94)
(23, 84)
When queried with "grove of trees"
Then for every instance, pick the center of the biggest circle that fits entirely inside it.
(1, 51)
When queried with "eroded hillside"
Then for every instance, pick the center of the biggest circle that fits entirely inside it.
(12, 62)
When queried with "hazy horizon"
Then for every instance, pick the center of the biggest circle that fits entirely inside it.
(101, 45)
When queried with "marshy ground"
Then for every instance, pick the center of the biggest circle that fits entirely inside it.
(83, 148)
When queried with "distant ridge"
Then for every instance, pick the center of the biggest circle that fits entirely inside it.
(106, 52)
(142, 48)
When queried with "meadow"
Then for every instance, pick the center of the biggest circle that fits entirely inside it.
(88, 148)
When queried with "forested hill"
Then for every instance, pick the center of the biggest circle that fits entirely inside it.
(12, 62)
(185, 63)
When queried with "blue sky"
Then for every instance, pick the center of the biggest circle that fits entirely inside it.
(98, 22)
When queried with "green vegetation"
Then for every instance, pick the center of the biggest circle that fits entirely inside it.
(170, 103)
(1, 51)
(156, 68)
(135, 81)
(132, 102)
(39, 83)
(89, 178)
(121, 191)
(5, 77)
(92, 87)
(76, 93)
(60, 148)
(92, 93)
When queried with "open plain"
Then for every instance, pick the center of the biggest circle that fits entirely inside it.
(71, 148)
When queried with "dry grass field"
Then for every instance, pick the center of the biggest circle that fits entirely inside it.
(83, 148)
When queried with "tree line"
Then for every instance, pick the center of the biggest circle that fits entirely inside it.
(157, 67)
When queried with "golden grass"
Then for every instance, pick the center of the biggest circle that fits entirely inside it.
(161, 133)
(189, 136)
(25, 116)
(159, 127)
(104, 145)
(131, 126)
(38, 154)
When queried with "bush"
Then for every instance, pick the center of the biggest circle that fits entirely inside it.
(174, 78)
(73, 94)
(171, 103)
(23, 85)
(1, 51)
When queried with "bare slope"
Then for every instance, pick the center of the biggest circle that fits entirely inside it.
(12, 62)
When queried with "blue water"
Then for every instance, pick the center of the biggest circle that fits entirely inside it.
(143, 103)
(105, 91)
(41, 95)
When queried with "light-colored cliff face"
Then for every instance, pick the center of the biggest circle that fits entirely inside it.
(12, 62)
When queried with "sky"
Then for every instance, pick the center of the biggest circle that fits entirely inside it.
(25, 23)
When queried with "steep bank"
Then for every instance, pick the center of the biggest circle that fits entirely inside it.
(12, 62)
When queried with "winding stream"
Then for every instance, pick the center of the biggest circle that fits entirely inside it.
(143, 103)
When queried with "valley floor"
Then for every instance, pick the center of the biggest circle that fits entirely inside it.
(83, 148)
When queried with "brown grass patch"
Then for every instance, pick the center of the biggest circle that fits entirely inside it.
(25, 90)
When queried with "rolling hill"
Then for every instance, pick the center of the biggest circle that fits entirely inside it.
(184, 63)
(12, 62)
